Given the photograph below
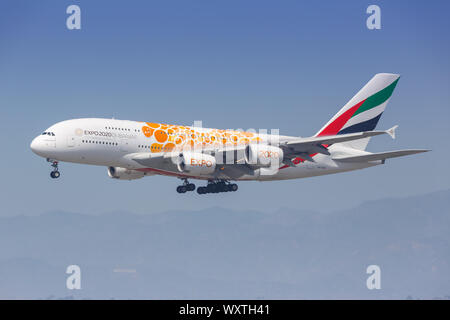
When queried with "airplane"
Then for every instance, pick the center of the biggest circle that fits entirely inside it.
(133, 149)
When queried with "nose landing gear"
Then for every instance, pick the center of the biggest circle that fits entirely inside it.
(217, 186)
(55, 173)
(186, 186)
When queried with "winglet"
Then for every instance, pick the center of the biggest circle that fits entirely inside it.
(391, 131)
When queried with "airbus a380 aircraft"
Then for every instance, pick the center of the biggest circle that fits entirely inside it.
(132, 150)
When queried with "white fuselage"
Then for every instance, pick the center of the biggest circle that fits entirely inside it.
(113, 143)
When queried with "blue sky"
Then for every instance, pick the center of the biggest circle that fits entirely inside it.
(232, 64)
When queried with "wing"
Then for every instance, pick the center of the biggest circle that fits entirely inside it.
(304, 147)
(151, 160)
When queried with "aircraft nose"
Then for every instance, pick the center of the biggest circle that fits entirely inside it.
(35, 145)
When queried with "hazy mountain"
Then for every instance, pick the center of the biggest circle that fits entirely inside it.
(218, 253)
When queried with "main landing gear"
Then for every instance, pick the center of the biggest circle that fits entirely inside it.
(217, 186)
(213, 186)
(55, 172)
(186, 186)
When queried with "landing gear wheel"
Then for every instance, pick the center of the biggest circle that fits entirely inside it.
(55, 174)
(211, 188)
(217, 186)
(186, 186)
(201, 190)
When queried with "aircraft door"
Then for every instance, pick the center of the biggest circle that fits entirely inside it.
(71, 140)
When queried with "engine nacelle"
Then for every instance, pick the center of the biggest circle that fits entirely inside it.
(124, 173)
(196, 163)
(263, 155)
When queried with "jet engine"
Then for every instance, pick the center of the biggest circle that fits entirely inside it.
(196, 163)
(263, 155)
(124, 173)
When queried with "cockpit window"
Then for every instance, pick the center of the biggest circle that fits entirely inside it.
(48, 133)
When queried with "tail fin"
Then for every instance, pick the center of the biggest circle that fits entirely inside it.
(364, 110)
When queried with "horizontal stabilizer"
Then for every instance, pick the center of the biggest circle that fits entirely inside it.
(379, 155)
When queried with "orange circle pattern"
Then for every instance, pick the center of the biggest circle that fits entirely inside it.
(169, 137)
